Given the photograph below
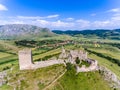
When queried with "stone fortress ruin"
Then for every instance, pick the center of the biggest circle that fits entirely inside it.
(26, 60)
(26, 63)
(72, 55)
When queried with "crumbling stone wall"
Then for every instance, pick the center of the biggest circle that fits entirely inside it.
(25, 60)
(93, 66)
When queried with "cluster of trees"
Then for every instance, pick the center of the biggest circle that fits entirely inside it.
(83, 32)
(115, 45)
(26, 43)
(32, 43)
(71, 71)
(113, 60)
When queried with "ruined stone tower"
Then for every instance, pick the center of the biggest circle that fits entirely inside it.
(25, 59)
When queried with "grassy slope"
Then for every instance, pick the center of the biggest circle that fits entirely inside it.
(55, 51)
(8, 56)
(109, 51)
(2, 55)
(81, 81)
(33, 79)
(104, 62)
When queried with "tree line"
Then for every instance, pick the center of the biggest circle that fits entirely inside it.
(113, 60)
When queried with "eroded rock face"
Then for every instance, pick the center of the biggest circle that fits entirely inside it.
(110, 77)
(3, 74)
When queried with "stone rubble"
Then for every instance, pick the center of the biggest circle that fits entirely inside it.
(93, 66)
(3, 74)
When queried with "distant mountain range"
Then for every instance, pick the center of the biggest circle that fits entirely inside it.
(23, 31)
(100, 33)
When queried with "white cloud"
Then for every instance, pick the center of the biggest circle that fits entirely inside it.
(93, 14)
(69, 19)
(61, 24)
(53, 22)
(43, 23)
(101, 24)
(114, 10)
(38, 17)
(82, 23)
(28, 17)
(53, 16)
(3, 8)
(116, 16)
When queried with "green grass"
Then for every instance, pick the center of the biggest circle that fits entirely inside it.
(6, 87)
(109, 51)
(34, 79)
(104, 62)
(84, 63)
(2, 55)
(7, 61)
(51, 52)
(8, 45)
(81, 81)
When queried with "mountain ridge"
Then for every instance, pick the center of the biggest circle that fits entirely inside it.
(102, 33)
(23, 31)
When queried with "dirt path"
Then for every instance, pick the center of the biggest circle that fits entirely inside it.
(54, 81)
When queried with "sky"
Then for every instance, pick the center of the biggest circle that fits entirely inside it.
(62, 14)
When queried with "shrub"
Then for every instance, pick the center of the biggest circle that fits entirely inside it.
(77, 60)
(69, 66)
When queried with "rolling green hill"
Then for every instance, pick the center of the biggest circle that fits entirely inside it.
(99, 33)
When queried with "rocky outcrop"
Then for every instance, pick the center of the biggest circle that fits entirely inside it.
(110, 77)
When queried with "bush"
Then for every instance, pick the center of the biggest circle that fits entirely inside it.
(69, 66)
(77, 60)
(71, 71)
(5, 68)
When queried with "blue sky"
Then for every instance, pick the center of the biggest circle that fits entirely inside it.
(62, 14)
